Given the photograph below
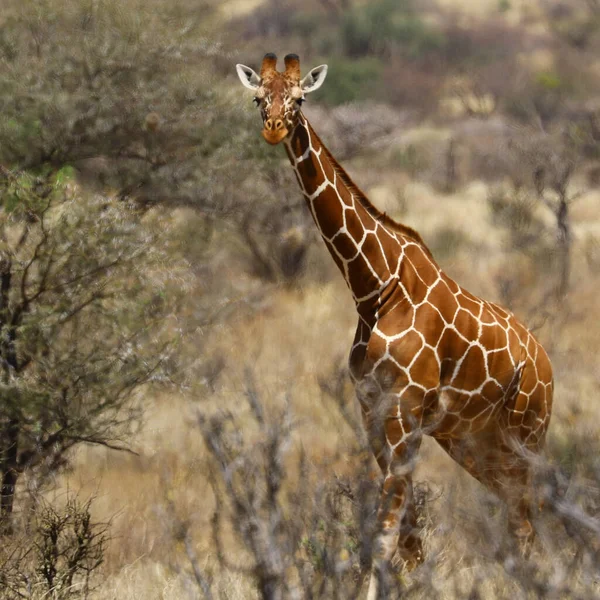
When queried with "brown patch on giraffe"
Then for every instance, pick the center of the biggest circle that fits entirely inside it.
(372, 249)
(300, 141)
(492, 336)
(343, 192)
(328, 171)
(426, 368)
(311, 174)
(441, 297)
(365, 217)
(404, 349)
(368, 219)
(391, 295)
(529, 381)
(501, 367)
(360, 278)
(429, 321)
(471, 373)
(353, 225)
(532, 346)
(500, 312)
(345, 246)
(492, 390)
(487, 316)
(521, 331)
(454, 287)
(514, 343)
(393, 260)
(451, 345)
(376, 347)
(388, 240)
(472, 304)
(395, 306)
(467, 324)
(427, 270)
(495, 337)
(397, 320)
(414, 287)
(365, 312)
(327, 202)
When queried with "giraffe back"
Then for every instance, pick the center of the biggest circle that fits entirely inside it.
(472, 361)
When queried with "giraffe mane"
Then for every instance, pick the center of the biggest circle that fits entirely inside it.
(372, 210)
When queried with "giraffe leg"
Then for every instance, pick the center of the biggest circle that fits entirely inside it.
(522, 440)
(506, 471)
(396, 516)
(513, 483)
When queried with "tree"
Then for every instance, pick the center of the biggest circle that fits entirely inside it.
(550, 161)
(119, 101)
(82, 309)
(134, 106)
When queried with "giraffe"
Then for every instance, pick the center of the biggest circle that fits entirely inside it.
(428, 356)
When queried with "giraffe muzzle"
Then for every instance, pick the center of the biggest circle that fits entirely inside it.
(274, 131)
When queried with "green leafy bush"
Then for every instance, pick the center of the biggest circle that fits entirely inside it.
(376, 28)
(351, 80)
(83, 323)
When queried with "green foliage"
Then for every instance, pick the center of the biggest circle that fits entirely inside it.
(375, 28)
(447, 242)
(504, 5)
(410, 159)
(80, 326)
(515, 212)
(110, 91)
(548, 80)
(351, 80)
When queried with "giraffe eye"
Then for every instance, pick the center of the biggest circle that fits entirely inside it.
(300, 101)
(256, 101)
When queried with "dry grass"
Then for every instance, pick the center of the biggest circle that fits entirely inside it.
(292, 340)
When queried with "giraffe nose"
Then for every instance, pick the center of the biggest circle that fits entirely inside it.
(274, 130)
(274, 125)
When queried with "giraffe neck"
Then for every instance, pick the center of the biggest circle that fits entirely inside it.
(365, 244)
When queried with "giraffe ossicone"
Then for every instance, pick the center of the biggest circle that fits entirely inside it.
(428, 356)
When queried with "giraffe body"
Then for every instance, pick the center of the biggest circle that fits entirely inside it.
(428, 356)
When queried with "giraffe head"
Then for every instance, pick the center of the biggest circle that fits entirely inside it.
(279, 95)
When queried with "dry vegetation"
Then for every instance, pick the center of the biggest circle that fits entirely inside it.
(479, 128)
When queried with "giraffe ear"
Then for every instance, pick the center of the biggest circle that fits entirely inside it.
(248, 77)
(314, 80)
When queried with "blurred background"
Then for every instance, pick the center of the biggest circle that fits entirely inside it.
(176, 419)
